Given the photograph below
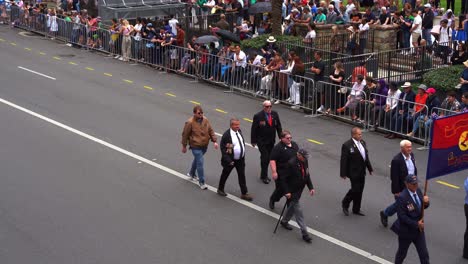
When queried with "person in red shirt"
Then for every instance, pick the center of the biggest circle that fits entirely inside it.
(180, 37)
(419, 108)
(359, 70)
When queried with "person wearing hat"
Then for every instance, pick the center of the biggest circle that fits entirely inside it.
(410, 223)
(405, 102)
(353, 163)
(419, 113)
(269, 49)
(293, 185)
(427, 24)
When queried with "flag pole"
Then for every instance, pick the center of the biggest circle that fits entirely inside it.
(425, 192)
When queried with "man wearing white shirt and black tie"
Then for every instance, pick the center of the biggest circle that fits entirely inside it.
(353, 164)
(233, 156)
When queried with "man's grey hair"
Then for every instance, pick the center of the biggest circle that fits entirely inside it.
(405, 142)
(266, 102)
(232, 120)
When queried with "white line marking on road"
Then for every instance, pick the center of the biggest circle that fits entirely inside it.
(38, 73)
(184, 177)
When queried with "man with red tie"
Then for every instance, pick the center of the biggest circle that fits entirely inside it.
(265, 125)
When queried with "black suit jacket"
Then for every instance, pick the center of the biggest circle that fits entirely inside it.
(294, 181)
(352, 165)
(227, 157)
(262, 133)
(408, 102)
(399, 171)
(408, 214)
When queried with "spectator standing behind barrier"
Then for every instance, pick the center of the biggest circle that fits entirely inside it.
(353, 163)
(280, 155)
(460, 55)
(445, 40)
(318, 68)
(293, 185)
(464, 78)
(450, 104)
(464, 105)
(410, 223)
(465, 238)
(427, 24)
(233, 150)
(297, 73)
(265, 125)
(126, 31)
(363, 35)
(416, 29)
(197, 133)
(402, 165)
(334, 97)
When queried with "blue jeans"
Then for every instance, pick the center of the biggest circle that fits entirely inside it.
(416, 122)
(391, 209)
(426, 34)
(197, 164)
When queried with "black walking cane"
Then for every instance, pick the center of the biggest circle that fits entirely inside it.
(281, 215)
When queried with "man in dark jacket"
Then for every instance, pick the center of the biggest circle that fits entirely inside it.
(403, 164)
(403, 117)
(233, 156)
(293, 185)
(427, 24)
(265, 125)
(410, 225)
(353, 164)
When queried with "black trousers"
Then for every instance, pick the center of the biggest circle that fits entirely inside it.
(265, 151)
(354, 194)
(419, 242)
(465, 245)
(451, 5)
(278, 192)
(240, 168)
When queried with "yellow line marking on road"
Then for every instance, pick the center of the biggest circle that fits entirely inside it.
(42, 53)
(72, 63)
(148, 87)
(108, 74)
(315, 141)
(195, 102)
(448, 184)
(221, 111)
(171, 95)
(2, 40)
(89, 69)
(248, 120)
(13, 44)
(28, 49)
(57, 58)
(127, 81)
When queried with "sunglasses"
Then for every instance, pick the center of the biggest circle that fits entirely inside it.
(200, 113)
(267, 106)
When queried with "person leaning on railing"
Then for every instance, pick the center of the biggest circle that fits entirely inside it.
(354, 97)
(371, 87)
(390, 107)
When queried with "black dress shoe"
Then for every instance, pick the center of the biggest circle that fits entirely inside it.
(345, 211)
(359, 213)
(222, 193)
(266, 181)
(286, 226)
(307, 238)
(271, 204)
(383, 219)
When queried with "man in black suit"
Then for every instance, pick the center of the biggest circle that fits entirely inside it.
(233, 156)
(265, 125)
(410, 225)
(402, 165)
(353, 164)
(293, 186)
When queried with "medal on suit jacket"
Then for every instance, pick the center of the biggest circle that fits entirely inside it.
(410, 207)
(351, 150)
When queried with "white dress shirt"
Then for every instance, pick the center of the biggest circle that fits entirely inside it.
(361, 148)
(237, 145)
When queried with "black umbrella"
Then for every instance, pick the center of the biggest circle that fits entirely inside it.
(206, 39)
(260, 7)
(224, 34)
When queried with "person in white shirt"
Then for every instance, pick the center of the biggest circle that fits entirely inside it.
(238, 66)
(311, 35)
(363, 33)
(445, 39)
(172, 23)
(233, 156)
(354, 97)
(416, 30)
(391, 105)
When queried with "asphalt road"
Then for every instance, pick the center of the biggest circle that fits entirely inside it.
(67, 198)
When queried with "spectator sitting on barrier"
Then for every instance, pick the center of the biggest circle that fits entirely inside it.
(460, 55)
(419, 109)
(354, 97)
(365, 103)
(402, 117)
(189, 56)
(391, 107)
(377, 102)
(432, 103)
(464, 105)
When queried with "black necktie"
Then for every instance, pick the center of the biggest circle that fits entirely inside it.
(240, 144)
